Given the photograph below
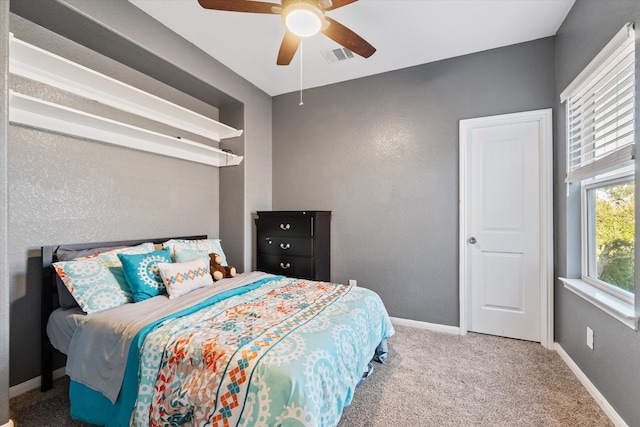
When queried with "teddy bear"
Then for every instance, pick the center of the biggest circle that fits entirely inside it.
(219, 271)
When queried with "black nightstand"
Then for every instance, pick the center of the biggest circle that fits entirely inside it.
(295, 243)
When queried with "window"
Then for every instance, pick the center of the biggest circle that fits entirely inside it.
(608, 233)
(600, 105)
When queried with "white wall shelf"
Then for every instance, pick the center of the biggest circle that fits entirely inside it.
(33, 112)
(38, 64)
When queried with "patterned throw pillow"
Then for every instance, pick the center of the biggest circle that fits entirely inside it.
(92, 285)
(99, 284)
(63, 253)
(110, 258)
(202, 245)
(184, 277)
(142, 274)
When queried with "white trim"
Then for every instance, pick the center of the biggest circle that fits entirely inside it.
(615, 418)
(462, 227)
(544, 117)
(546, 225)
(28, 111)
(40, 65)
(596, 63)
(617, 308)
(32, 384)
(9, 424)
(425, 325)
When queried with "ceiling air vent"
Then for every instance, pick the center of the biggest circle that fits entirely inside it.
(337, 55)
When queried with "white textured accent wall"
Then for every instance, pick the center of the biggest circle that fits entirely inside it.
(71, 190)
(109, 193)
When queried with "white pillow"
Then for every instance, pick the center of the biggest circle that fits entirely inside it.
(183, 277)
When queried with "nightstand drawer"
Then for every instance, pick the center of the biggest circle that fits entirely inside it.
(285, 226)
(286, 265)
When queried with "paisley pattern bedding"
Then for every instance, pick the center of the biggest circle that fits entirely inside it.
(275, 352)
(269, 357)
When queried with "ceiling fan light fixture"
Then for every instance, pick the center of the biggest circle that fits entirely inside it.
(303, 19)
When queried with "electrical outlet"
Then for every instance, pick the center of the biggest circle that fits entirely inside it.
(353, 282)
(590, 338)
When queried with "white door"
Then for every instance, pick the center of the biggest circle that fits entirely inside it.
(502, 225)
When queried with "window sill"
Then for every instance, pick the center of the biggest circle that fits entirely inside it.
(621, 310)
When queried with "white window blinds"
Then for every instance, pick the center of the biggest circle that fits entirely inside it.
(601, 110)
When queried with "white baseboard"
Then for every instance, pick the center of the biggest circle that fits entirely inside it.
(591, 388)
(29, 385)
(9, 424)
(425, 325)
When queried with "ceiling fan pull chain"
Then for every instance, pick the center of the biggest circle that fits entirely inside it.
(301, 103)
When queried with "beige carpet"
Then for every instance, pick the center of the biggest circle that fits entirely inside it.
(430, 379)
(436, 379)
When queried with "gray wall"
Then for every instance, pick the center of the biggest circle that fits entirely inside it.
(231, 194)
(382, 153)
(69, 190)
(4, 271)
(614, 364)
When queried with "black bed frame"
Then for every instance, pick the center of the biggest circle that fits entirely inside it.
(49, 297)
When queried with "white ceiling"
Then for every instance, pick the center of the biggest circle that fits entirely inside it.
(404, 32)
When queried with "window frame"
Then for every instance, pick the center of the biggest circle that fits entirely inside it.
(610, 299)
(619, 176)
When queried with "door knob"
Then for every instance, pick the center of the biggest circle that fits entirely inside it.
(472, 240)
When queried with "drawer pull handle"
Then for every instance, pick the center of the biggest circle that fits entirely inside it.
(285, 266)
(285, 227)
(283, 246)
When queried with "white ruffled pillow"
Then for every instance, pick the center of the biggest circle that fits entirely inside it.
(183, 277)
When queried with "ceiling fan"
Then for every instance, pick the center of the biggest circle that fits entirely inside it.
(302, 18)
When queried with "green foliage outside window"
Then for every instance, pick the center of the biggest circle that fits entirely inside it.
(615, 213)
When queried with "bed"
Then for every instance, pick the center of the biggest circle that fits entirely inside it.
(255, 349)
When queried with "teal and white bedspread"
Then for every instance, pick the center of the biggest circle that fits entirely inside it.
(276, 352)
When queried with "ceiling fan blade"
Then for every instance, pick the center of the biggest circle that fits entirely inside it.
(239, 6)
(339, 3)
(347, 38)
(288, 48)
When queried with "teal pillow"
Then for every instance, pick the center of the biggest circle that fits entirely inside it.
(202, 245)
(185, 255)
(142, 274)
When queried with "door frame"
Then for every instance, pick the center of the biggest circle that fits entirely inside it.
(544, 119)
